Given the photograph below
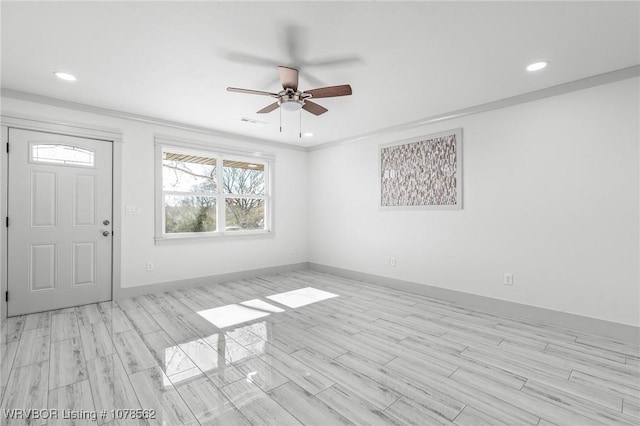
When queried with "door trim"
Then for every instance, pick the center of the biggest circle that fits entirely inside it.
(19, 121)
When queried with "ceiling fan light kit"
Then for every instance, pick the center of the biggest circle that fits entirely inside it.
(292, 99)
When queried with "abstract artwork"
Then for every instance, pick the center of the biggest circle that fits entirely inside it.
(423, 172)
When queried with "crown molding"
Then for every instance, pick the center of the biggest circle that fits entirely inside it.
(561, 89)
(585, 83)
(46, 100)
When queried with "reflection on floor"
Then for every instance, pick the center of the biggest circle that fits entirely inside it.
(308, 348)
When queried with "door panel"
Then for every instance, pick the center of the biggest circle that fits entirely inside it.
(60, 194)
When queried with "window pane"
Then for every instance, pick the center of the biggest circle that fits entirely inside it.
(188, 173)
(244, 214)
(62, 154)
(243, 178)
(185, 213)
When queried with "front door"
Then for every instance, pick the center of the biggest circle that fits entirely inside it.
(60, 214)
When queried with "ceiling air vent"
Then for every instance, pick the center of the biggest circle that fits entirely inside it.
(253, 121)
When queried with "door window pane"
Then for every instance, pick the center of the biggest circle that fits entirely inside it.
(244, 214)
(189, 213)
(62, 154)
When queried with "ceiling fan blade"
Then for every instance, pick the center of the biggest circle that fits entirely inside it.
(314, 108)
(251, 92)
(333, 61)
(288, 78)
(269, 108)
(329, 92)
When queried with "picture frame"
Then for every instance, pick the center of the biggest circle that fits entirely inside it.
(422, 172)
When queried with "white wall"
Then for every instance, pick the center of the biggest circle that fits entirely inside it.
(551, 193)
(188, 259)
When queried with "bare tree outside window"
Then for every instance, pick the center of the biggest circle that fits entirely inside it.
(191, 194)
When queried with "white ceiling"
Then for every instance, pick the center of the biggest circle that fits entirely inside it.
(404, 61)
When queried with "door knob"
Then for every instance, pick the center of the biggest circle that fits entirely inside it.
(105, 233)
(106, 222)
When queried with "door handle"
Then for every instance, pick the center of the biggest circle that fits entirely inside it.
(106, 233)
(106, 222)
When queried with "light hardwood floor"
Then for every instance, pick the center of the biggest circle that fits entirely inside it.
(269, 354)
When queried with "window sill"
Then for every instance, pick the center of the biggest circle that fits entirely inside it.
(208, 236)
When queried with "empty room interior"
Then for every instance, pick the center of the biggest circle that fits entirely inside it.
(320, 213)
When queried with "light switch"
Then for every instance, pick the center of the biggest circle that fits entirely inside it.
(133, 210)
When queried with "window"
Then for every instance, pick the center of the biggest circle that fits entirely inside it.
(211, 193)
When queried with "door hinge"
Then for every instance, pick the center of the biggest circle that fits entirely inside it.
(6, 296)
(7, 221)
(7, 147)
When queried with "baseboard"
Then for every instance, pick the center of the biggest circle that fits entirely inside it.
(124, 293)
(587, 325)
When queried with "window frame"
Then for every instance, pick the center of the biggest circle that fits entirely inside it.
(220, 154)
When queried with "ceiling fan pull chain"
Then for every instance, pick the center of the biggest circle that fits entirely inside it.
(300, 124)
(280, 119)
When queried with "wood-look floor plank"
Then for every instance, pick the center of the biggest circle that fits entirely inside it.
(491, 405)
(11, 329)
(96, 340)
(27, 389)
(142, 321)
(353, 345)
(213, 364)
(261, 374)
(304, 376)
(410, 412)
(134, 354)
(88, 315)
(174, 327)
(155, 392)
(576, 403)
(631, 408)
(7, 356)
(168, 355)
(529, 402)
(208, 404)
(110, 385)
(469, 416)
(33, 348)
(64, 326)
(357, 410)
(308, 409)
(631, 392)
(414, 395)
(41, 320)
(257, 406)
(366, 388)
(115, 320)
(74, 404)
(67, 363)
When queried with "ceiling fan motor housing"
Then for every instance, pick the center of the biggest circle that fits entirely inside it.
(291, 100)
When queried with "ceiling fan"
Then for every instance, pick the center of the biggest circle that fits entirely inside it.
(292, 99)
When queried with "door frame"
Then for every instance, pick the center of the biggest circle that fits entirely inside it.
(20, 121)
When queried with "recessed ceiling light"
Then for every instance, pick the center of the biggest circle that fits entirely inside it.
(537, 66)
(307, 134)
(64, 76)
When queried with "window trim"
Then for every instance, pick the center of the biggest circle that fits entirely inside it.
(220, 153)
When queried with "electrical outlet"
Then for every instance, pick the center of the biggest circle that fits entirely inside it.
(508, 279)
(149, 266)
(292, 251)
(392, 261)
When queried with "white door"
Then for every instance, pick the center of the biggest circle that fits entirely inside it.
(60, 214)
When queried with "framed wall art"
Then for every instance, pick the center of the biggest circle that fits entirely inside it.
(422, 172)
